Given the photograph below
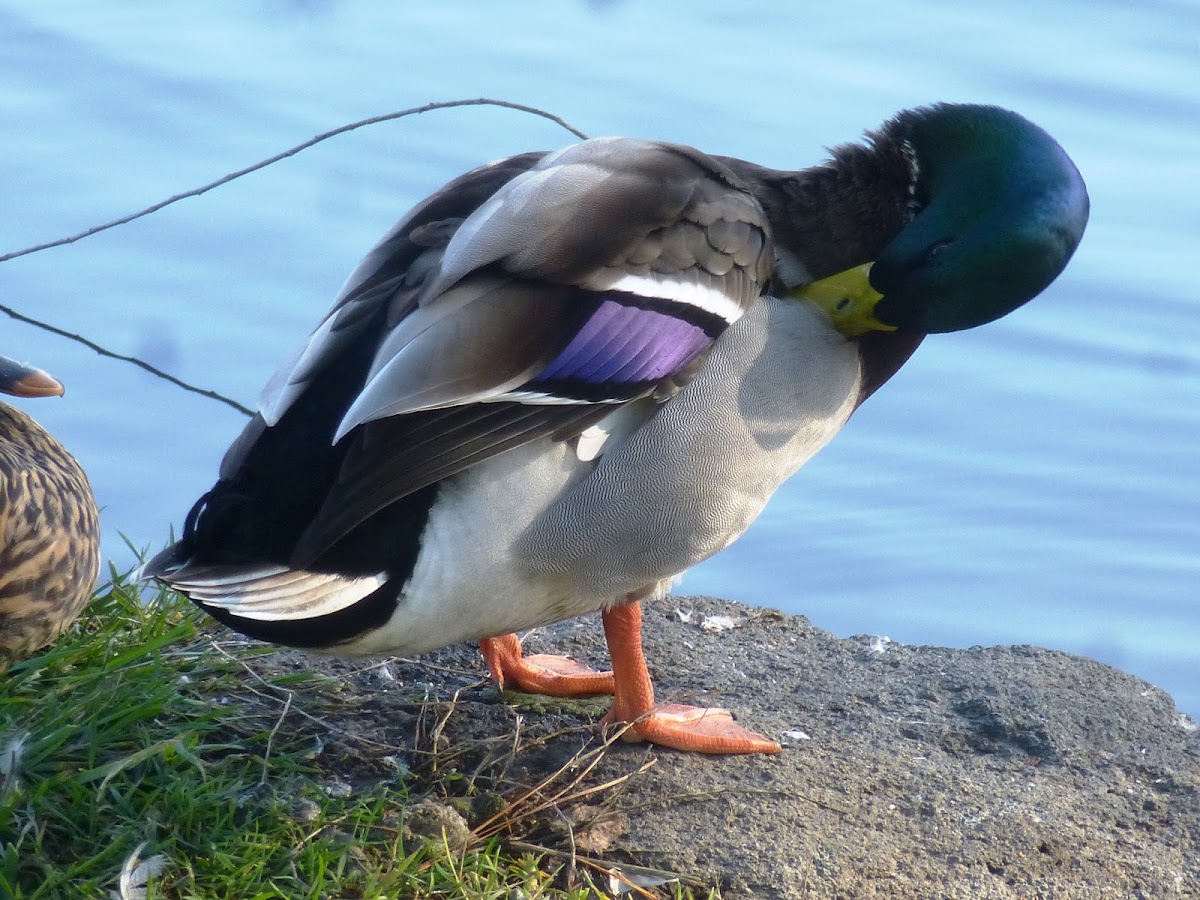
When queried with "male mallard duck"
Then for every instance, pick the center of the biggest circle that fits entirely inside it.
(49, 527)
(566, 377)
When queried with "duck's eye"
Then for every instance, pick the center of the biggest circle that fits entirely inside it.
(934, 252)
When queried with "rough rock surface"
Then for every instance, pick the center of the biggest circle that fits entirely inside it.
(923, 772)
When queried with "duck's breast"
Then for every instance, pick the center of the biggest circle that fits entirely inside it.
(779, 384)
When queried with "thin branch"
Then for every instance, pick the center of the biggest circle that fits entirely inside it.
(374, 120)
(196, 192)
(141, 364)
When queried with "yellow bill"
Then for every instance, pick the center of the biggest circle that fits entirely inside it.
(849, 300)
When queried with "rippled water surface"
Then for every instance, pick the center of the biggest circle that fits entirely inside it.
(1035, 481)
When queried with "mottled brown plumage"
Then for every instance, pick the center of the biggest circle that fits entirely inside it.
(49, 526)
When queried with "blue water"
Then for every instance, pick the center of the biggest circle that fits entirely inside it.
(1035, 481)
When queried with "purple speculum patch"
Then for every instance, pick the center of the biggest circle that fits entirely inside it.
(621, 345)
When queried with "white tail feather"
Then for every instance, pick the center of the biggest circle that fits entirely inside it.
(273, 593)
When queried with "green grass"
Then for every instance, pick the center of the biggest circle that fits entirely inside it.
(139, 738)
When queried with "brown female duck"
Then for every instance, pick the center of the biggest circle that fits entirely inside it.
(49, 526)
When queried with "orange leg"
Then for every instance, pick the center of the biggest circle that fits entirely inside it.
(671, 725)
(555, 676)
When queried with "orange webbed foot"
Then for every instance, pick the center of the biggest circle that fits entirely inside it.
(554, 676)
(690, 728)
(694, 729)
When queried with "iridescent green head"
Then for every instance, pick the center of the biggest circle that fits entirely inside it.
(999, 210)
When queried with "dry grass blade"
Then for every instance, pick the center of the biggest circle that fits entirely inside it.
(271, 738)
(544, 796)
(278, 695)
(624, 873)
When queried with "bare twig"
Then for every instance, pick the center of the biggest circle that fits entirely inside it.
(362, 123)
(203, 189)
(91, 345)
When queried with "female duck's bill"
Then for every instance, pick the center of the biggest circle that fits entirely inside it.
(20, 380)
